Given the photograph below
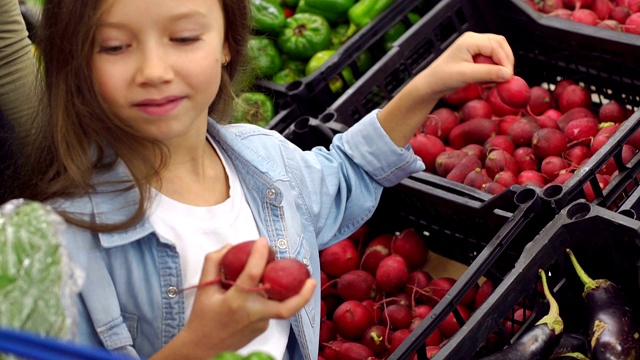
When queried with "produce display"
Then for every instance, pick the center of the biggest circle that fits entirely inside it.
(492, 136)
(616, 15)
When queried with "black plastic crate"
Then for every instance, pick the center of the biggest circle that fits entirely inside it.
(475, 234)
(312, 93)
(606, 244)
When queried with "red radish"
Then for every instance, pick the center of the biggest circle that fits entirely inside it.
(360, 235)
(481, 59)
(574, 96)
(418, 279)
(330, 350)
(577, 154)
(574, 114)
(531, 177)
(464, 167)
(476, 150)
(374, 308)
(327, 331)
(339, 258)
(548, 142)
(560, 87)
(463, 95)
(634, 140)
(628, 152)
(613, 111)
(357, 285)
(610, 24)
(326, 285)
(437, 289)
(574, 4)
(561, 13)
(475, 131)
(551, 166)
(427, 147)
(540, 101)
(476, 108)
(446, 161)
(392, 274)
(422, 311)
(525, 158)
(604, 134)
(499, 107)
(477, 179)
(514, 92)
(553, 113)
(502, 142)
(484, 291)
(585, 16)
(505, 178)
(397, 338)
(602, 8)
(351, 350)
(632, 24)
(469, 298)
(562, 177)
(434, 339)
(581, 131)
(235, 259)
(352, 319)
(590, 193)
(546, 121)
(548, 6)
(632, 5)
(376, 250)
(440, 123)
(431, 351)
(500, 160)
(521, 132)
(505, 122)
(449, 326)
(284, 278)
(411, 246)
(323, 310)
(620, 14)
(375, 338)
(397, 316)
(513, 324)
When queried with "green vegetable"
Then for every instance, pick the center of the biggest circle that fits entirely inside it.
(35, 278)
(230, 355)
(285, 76)
(298, 67)
(364, 61)
(253, 107)
(413, 17)
(291, 3)
(365, 11)
(336, 84)
(267, 17)
(264, 56)
(393, 34)
(339, 35)
(333, 11)
(303, 35)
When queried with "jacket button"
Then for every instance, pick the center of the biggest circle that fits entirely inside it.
(282, 243)
(172, 291)
(271, 193)
(306, 261)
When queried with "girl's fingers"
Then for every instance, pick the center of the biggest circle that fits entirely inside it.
(287, 308)
(252, 273)
(211, 266)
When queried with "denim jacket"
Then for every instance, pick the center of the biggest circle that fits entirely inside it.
(302, 201)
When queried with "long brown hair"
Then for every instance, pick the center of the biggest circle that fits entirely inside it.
(74, 136)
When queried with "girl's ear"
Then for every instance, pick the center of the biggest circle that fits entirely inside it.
(226, 54)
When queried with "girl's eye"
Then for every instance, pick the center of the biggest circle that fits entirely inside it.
(115, 49)
(185, 40)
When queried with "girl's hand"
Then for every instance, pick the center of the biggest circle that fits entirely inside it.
(454, 68)
(223, 320)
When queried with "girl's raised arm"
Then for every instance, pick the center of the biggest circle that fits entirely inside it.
(406, 112)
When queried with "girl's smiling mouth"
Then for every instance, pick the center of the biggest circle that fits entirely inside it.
(159, 107)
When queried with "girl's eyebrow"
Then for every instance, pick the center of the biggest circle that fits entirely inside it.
(185, 15)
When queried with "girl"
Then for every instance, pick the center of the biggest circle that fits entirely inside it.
(155, 191)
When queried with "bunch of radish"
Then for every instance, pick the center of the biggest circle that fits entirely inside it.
(492, 136)
(376, 291)
(618, 15)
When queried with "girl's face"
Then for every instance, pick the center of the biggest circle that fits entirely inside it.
(157, 64)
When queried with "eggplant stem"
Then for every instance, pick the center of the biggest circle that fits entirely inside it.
(589, 283)
(552, 319)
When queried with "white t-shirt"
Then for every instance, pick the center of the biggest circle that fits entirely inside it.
(196, 231)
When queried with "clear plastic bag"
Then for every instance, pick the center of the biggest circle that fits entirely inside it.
(38, 283)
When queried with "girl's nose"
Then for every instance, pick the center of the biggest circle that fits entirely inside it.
(154, 68)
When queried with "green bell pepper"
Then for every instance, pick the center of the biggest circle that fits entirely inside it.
(285, 76)
(264, 56)
(364, 11)
(303, 35)
(266, 17)
(413, 17)
(253, 107)
(393, 34)
(334, 11)
(335, 84)
(364, 61)
(339, 35)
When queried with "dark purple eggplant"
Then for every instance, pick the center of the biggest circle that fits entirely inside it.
(612, 332)
(538, 342)
(571, 343)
